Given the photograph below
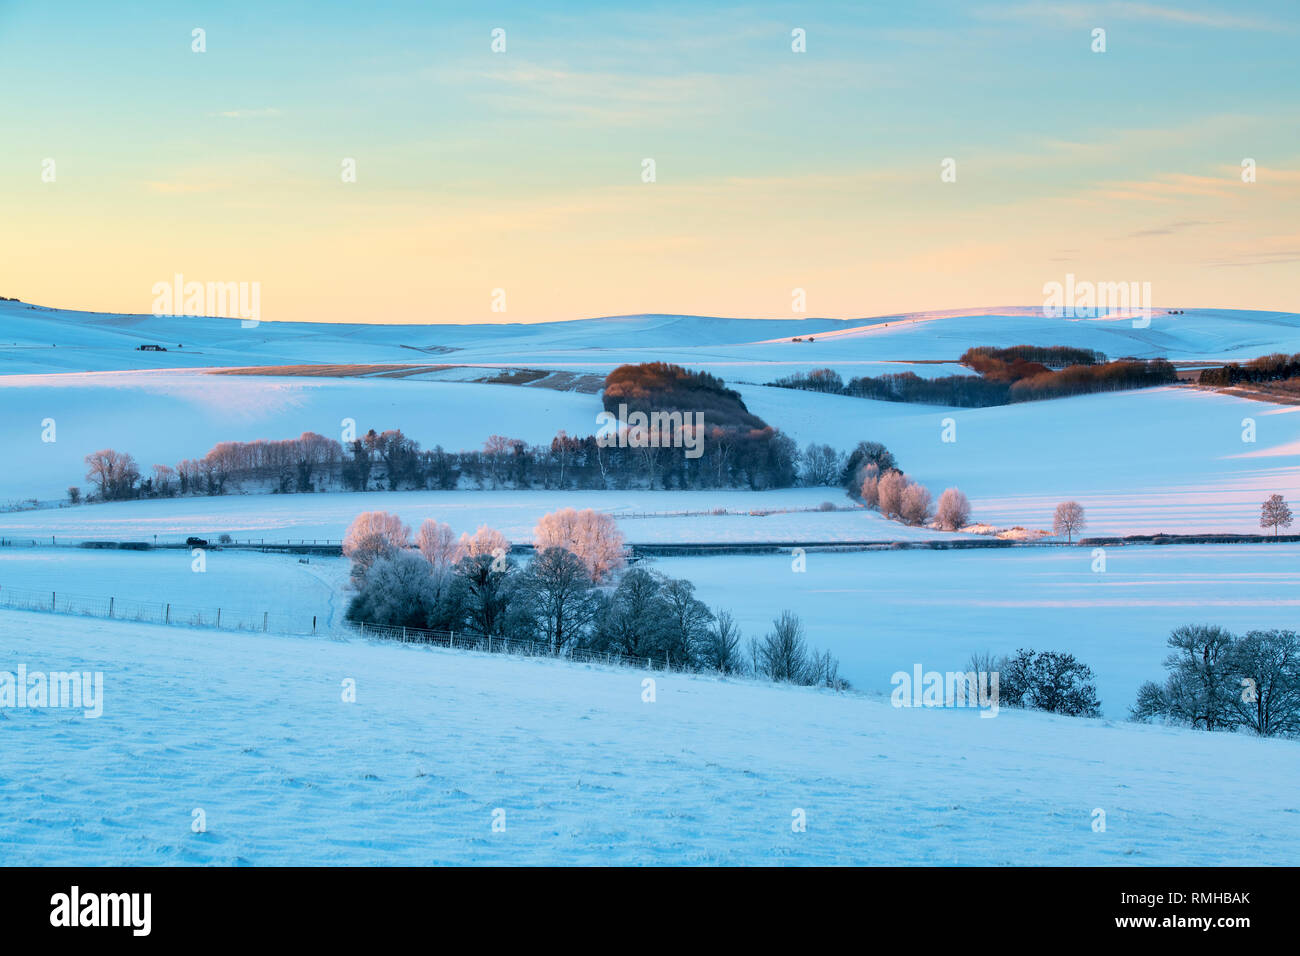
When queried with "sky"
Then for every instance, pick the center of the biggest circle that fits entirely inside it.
(511, 185)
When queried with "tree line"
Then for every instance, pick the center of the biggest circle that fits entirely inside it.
(1005, 376)
(574, 593)
(1267, 368)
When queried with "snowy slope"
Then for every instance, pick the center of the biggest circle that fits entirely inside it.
(1147, 461)
(877, 612)
(280, 518)
(35, 339)
(253, 731)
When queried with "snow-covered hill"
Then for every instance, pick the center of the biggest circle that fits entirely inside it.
(253, 731)
(36, 339)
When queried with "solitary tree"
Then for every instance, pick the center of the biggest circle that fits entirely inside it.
(1068, 519)
(954, 510)
(1275, 514)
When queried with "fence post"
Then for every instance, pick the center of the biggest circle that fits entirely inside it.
(53, 600)
(168, 618)
(404, 634)
(453, 637)
(489, 643)
(110, 607)
(313, 623)
(264, 614)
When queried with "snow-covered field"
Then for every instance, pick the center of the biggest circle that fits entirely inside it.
(252, 728)
(253, 731)
(234, 580)
(164, 417)
(325, 517)
(885, 611)
(878, 612)
(1154, 460)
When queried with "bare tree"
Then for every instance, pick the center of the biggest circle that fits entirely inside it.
(720, 648)
(372, 535)
(115, 472)
(1068, 519)
(1275, 514)
(783, 653)
(954, 510)
(591, 535)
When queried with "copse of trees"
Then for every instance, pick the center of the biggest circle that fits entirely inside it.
(1051, 356)
(1267, 368)
(1053, 681)
(1217, 681)
(1005, 376)
(554, 599)
(664, 387)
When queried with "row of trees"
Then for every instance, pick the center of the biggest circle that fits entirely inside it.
(1001, 381)
(389, 460)
(573, 593)
(1267, 368)
(872, 474)
(1218, 681)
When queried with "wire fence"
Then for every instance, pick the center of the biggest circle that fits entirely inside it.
(155, 612)
(465, 641)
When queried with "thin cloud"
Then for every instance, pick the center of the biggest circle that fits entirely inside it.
(248, 114)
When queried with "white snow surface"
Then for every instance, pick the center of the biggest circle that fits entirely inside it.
(253, 731)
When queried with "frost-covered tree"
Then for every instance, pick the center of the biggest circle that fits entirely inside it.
(1266, 671)
(720, 648)
(487, 592)
(114, 472)
(916, 507)
(782, 654)
(635, 618)
(437, 542)
(820, 465)
(1201, 685)
(891, 488)
(1275, 513)
(688, 620)
(953, 512)
(485, 540)
(399, 590)
(560, 589)
(591, 535)
(1068, 519)
(870, 488)
(372, 535)
(1053, 681)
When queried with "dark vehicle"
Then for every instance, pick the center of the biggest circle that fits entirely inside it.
(150, 348)
(193, 542)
